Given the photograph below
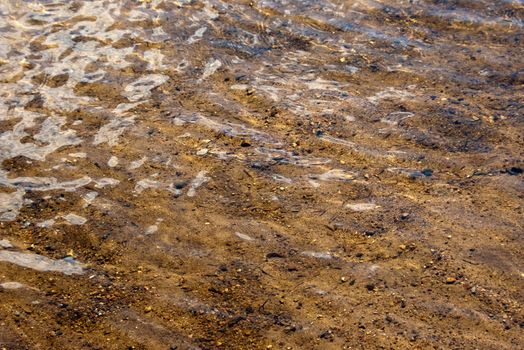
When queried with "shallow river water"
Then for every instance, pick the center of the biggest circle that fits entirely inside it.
(261, 174)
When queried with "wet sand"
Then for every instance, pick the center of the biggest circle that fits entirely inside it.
(261, 174)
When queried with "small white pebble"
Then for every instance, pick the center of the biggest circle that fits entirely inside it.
(112, 162)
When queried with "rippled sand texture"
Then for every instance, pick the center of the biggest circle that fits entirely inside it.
(261, 174)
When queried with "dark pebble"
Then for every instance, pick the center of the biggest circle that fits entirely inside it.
(515, 171)
(274, 255)
(427, 172)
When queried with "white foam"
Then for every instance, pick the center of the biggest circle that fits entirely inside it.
(334, 174)
(244, 237)
(281, 178)
(318, 255)
(210, 69)
(227, 128)
(361, 206)
(210, 12)
(197, 36)
(141, 88)
(63, 56)
(198, 181)
(146, 184)
(4, 243)
(137, 163)
(46, 183)
(89, 197)
(239, 87)
(390, 93)
(122, 108)
(46, 223)
(396, 117)
(50, 134)
(12, 285)
(155, 60)
(106, 181)
(322, 84)
(41, 263)
(313, 183)
(10, 204)
(78, 155)
(74, 219)
(111, 131)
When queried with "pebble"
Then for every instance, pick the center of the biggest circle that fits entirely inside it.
(515, 171)
(112, 162)
(151, 229)
(451, 280)
(427, 172)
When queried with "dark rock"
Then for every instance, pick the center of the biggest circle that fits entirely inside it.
(514, 171)
(326, 335)
(235, 320)
(181, 185)
(370, 287)
(427, 172)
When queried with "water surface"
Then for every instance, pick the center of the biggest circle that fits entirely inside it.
(252, 174)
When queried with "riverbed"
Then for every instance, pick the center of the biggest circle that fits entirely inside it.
(266, 174)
